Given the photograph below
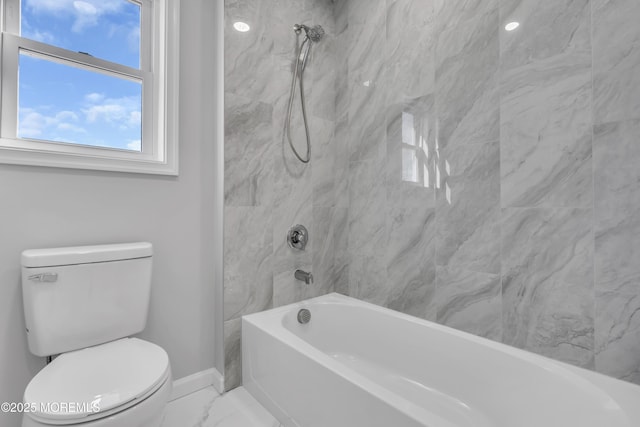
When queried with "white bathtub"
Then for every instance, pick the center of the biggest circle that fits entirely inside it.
(356, 364)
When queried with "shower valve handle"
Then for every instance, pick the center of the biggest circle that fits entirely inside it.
(297, 237)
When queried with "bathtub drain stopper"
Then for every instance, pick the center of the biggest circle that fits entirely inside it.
(304, 316)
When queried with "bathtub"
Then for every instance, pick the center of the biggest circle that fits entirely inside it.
(356, 364)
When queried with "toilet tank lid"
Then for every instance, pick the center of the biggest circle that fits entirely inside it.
(85, 254)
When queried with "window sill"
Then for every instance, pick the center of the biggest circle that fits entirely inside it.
(16, 156)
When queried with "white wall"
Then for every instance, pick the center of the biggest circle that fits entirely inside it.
(45, 207)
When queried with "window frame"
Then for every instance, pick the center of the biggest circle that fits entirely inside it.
(158, 75)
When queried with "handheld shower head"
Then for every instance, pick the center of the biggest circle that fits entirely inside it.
(314, 33)
(303, 49)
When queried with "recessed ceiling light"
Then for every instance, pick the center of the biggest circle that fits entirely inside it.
(243, 27)
(511, 26)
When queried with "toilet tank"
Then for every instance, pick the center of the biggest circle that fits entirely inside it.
(82, 296)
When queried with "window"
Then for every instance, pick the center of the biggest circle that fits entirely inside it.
(90, 84)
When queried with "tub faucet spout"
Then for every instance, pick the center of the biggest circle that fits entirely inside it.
(304, 276)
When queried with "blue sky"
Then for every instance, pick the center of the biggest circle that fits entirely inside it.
(62, 103)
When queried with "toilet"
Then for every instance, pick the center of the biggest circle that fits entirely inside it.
(83, 304)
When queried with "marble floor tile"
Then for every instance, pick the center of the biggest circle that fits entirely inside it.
(206, 408)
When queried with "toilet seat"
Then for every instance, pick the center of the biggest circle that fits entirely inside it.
(112, 377)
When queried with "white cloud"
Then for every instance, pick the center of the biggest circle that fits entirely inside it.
(98, 7)
(135, 118)
(84, 8)
(35, 33)
(71, 128)
(48, 5)
(66, 115)
(94, 97)
(123, 111)
(86, 16)
(85, 12)
(135, 145)
(33, 123)
(106, 112)
(39, 36)
(133, 38)
(109, 122)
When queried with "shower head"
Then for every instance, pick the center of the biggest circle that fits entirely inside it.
(314, 33)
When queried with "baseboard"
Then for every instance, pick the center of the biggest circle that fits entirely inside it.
(197, 381)
(218, 381)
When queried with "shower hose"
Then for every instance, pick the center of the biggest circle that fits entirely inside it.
(302, 54)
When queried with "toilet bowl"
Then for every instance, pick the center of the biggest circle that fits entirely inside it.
(124, 383)
(83, 303)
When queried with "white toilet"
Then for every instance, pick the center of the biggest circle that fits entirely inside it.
(83, 303)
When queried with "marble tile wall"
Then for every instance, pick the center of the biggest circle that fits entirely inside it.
(481, 178)
(266, 189)
(492, 176)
